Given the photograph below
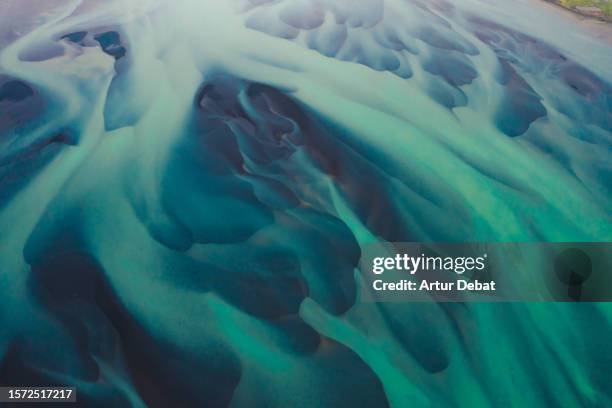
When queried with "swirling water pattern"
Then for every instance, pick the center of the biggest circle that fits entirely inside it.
(185, 189)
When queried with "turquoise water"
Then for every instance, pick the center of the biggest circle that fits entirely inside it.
(186, 188)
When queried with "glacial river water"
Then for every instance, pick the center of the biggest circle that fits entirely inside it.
(186, 187)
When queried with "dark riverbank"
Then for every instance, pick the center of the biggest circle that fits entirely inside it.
(587, 9)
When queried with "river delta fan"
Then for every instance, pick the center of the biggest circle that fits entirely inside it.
(187, 187)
